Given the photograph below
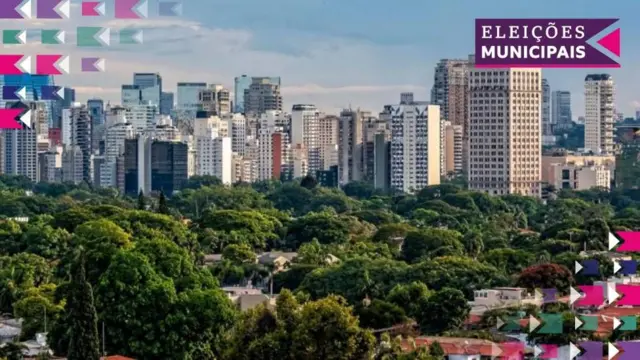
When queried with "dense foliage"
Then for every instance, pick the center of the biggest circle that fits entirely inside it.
(397, 258)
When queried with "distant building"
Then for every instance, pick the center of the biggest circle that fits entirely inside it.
(328, 178)
(382, 162)
(166, 103)
(263, 94)
(168, 166)
(20, 146)
(241, 83)
(575, 177)
(599, 113)
(452, 149)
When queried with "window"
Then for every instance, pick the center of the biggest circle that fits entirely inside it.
(565, 174)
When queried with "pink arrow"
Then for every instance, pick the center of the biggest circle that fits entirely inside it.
(611, 42)
(593, 296)
(8, 118)
(92, 8)
(630, 294)
(52, 64)
(131, 9)
(14, 64)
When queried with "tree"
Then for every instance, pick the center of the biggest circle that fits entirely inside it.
(239, 254)
(447, 309)
(546, 276)
(309, 182)
(162, 204)
(84, 343)
(142, 203)
(431, 243)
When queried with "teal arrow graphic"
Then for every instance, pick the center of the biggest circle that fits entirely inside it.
(130, 36)
(93, 37)
(14, 37)
(629, 323)
(52, 37)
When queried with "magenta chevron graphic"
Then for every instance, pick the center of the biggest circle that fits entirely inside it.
(53, 9)
(92, 64)
(131, 9)
(15, 9)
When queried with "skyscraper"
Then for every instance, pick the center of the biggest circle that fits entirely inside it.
(20, 146)
(166, 103)
(561, 109)
(263, 94)
(33, 85)
(450, 91)
(150, 85)
(415, 145)
(187, 96)
(168, 166)
(599, 113)
(214, 99)
(350, 157)
(241, 83)
(547, 127)
(96, 111)
(81, 137)
(305, 137)
(504, 120)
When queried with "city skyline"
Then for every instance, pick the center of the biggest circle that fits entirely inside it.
(324, 54)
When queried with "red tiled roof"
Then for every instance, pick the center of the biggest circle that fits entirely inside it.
(454, 346)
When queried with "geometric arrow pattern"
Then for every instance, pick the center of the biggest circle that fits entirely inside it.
(589, 267)
(52, 37)
(130, 37)
(93, 8)
(14, 93)
(52, 93)
(625, 241)
(93, 37)
(131, 9)
(14, 37)
(552, 323)
(15, 64)
(9, 117)
(625, 267)
(15, 9)
(52, 64)
(170, 8)
(53, 9)
(92, 64)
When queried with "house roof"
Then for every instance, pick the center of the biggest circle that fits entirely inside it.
(269, 257)
(456, 346)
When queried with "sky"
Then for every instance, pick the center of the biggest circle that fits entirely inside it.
(331, 53)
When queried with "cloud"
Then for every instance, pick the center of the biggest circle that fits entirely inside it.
(311, 89)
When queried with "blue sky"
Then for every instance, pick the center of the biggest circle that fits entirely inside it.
(333, 53)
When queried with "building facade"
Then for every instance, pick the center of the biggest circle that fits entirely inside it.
(599, 113)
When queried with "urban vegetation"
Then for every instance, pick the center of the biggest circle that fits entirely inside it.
(89, 259)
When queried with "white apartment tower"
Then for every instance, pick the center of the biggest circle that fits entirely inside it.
(415, 145)
(273, 145)
(236, 125)
(214, 153)
(599, 113)
(504, 124)
(305, 134)
(350, 158)
(328, 140)
(115, 136)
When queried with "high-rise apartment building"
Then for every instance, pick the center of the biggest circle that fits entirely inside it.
(561, 116)
(214, 153)
(141, 116)
(20, 145)
(130, 95)
(166, 103)
(504, 124)
(382, 161)
(187, 96)
(372, 127)
(547, 125)
(452, 149)
(451, 92)
(73, 164)
(115, 136)
(273, 145)
(240, 84)
(415, 145)
(150, 85)
(305, 136)
(168, 166)
(81, 137)
(236, 125)
(214, 99)
(263, 94)
(351, 153)
(96, 111)
(599, 113)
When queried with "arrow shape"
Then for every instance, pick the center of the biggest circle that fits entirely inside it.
(53, 9)
(131, 9)
(499, 323)
(613, 241)
(537, 351)
(616, 323)
(574, 296)
(578, 267)
(630, 350)
(52, 37)
(26, 118)
(616, 267)
(591, 350)
(12, 92)
(52, 93)
(52, 64)
(14, 37)
(612, 351)
(533, 323)
(593, 296)
(612, 294)
(15, 9)
(93, 64)
(170, 8)
(93, 8)
(8, 118)
(15, 64)
(130, 36)
(611, 42)
(93, 36)
(577, 323)
(574, 351)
